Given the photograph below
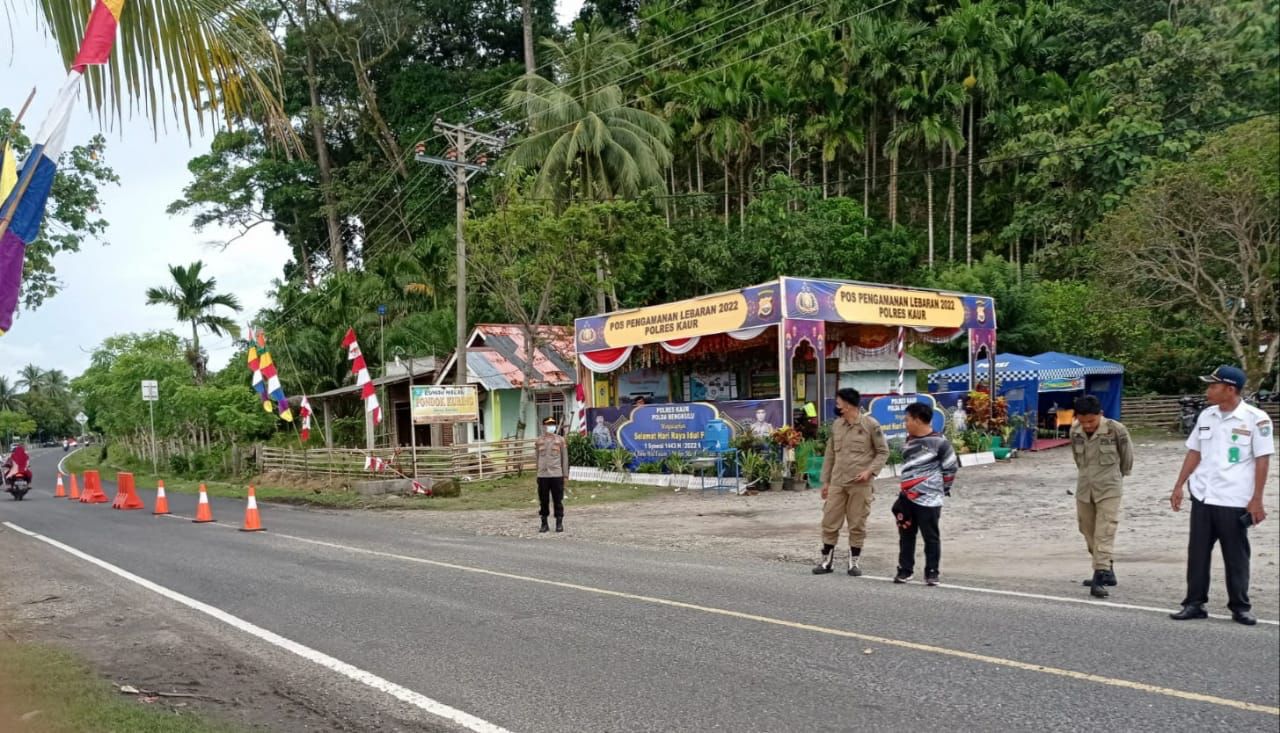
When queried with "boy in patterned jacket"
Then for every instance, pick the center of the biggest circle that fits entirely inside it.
(929, 465)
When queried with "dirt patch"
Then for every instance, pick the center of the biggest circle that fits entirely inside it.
(135, 638)
(1011, 526)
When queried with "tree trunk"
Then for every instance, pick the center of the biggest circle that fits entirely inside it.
(697, 154)
(671, 180)
(893, 174)
(866, 187)
(951, 206)
(928, 190)
(742, 193)
(527, 17)
(968, 217)
(875, 151)
(839, 177)
(337, 247)
(726, 190)
(824, 175)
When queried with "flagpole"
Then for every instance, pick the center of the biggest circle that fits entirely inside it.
(13, 127)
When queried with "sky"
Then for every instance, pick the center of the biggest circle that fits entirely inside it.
(104, 284)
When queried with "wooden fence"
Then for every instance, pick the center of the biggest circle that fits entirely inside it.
(1162, 411)
(475, 460)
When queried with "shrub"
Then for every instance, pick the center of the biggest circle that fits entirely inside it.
(581, 451)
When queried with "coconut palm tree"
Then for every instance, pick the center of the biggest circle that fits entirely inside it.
(9, 398)
(195, 299)
(197, 61)
(31, 379)
(585, 139)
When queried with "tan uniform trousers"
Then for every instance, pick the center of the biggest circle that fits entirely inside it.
(849, 503)
(1098, 520)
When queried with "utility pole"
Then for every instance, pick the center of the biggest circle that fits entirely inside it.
(461, 139)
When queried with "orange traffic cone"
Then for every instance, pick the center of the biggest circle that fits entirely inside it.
(93, 489)
(61, 491)
(252, 522)
(162, 501)
(75, 490)
(126, 496)
(204, 513)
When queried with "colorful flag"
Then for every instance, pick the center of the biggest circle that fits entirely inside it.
(24, 205)
(255, 366)
(305, 411)
(361, 370)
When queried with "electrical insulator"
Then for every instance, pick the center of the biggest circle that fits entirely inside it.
(420, 148)
(482, 160)
(451, 154)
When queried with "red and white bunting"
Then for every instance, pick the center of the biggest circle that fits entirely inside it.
(361, 370)
(305, 410)
(375, 464)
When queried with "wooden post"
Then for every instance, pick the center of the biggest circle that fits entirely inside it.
(328, 427)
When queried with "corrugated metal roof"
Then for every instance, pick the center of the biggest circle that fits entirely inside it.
(497, 356)
(884, 363)
(424, 371)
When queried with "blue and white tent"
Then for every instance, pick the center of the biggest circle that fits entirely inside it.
(1031, 385)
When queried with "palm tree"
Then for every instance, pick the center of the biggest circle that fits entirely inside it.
(584, 139)
(9, 398)
(31, 379)
(195, 60)
(56, 383)
(194, 299)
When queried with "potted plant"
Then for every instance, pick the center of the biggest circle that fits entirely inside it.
(786, 438)
(757, 471)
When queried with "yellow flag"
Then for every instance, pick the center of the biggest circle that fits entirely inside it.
(8, 173)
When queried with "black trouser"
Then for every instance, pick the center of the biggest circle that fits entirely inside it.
(1209, 524)
(924, 520)
(551, 489)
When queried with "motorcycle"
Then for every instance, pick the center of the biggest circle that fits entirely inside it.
(1189, 409)
(18, 486)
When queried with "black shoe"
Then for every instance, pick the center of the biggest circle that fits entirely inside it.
(903, 576)
(1244, 617)
(1097, 588)
(1189, 612)
(824, 565)
(931, 579)
(1109, 579)
(544, 527)
(559, 525)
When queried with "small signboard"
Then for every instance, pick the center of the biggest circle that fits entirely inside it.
(150, 390)
(82, 418)
(445, 404)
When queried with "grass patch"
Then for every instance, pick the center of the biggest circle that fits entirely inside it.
(513, 492)
(70, 698)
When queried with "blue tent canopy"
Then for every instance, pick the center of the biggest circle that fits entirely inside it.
(1030, 384)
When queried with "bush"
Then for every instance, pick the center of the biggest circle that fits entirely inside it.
(895, 451)
(581, 451)
(676, 463)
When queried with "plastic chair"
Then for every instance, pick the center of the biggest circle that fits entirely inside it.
(1065, 418)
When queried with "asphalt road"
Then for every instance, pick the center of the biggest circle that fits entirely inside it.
(561, 635)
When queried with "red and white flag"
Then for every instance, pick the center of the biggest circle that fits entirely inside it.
(375, 464)
(361, 370)
(305, 410)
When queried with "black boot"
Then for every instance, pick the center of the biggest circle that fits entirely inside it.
(1109, 578)
(828, 556)
(559, 524)
(1098, 589)
(544, 527)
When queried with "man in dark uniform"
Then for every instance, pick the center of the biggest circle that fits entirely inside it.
(553, 471)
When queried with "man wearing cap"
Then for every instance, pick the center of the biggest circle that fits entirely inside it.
(1227, 465)
(1104, 456)
(553, 471)
(856, 451)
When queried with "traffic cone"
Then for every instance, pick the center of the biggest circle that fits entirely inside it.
(93, 489)
(61, 491)
(204, 513)
(126, 496)
(252, 522)
(162, 501)
(75, 490)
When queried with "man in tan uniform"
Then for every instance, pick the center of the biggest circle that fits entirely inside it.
(856, 451)
(553, 471)
(1104, 456)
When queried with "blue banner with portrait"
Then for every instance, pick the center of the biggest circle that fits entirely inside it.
(653, 432)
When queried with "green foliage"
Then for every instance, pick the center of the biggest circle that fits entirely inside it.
(581, 451)
(677, 464)
(758, 469)
(15, 424)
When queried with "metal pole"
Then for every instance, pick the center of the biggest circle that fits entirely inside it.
(154, 461)
(413, 428)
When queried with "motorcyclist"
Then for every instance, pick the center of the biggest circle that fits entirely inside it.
(18, 465)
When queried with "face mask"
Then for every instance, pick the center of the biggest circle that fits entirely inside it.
(551, 429)
(839, 410)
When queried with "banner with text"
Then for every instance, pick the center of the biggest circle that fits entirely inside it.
(721, 313)
(653, 432)
(445, 404)
(891, 412)
(825, 300)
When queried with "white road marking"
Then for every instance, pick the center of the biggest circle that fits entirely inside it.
(62, 465)
(418, 700)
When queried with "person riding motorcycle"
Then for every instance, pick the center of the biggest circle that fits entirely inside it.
(18, 465)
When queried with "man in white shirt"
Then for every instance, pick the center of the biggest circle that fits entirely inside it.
(1227, 465)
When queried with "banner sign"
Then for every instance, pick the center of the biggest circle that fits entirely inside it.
(653, 432)
(1062, 385)
(891, 412)
(445, 404)
(714, 314)
(833, 301)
